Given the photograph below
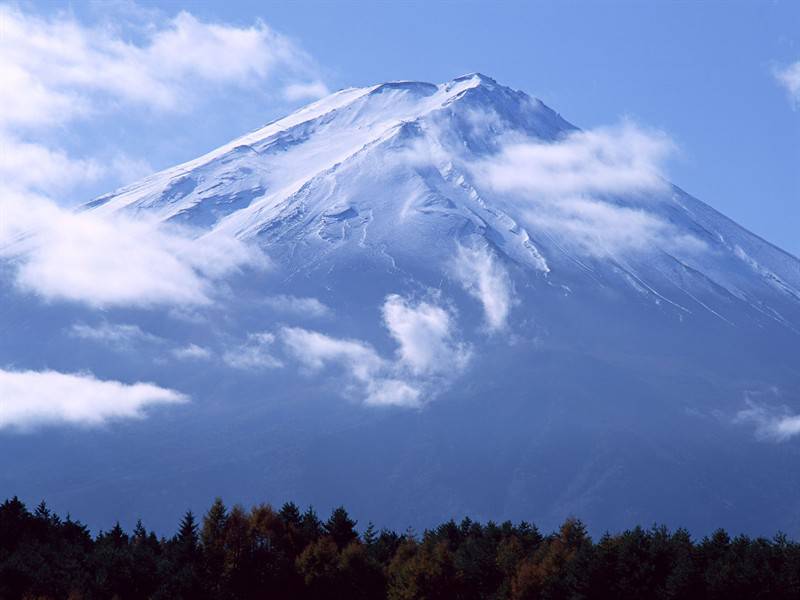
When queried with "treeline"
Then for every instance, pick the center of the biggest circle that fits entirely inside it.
(263, 553)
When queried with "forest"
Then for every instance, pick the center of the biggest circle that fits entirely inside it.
(236, 553)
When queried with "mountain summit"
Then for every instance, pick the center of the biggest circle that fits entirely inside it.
(471, 307)
(412, 168)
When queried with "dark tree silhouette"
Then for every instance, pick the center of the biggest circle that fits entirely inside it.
(258, 553)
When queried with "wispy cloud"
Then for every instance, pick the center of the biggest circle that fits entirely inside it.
(120, 336)
(428, 356)
(610, 160)
(571, 188)
(255, 354)
(772, 423)
(32, 166)
(34, 398)
(301, 306)
(316, 349)
(192, 352)
(599, 228)
(357, 360)
(486, 279)
(789, 78)
(305, 91)
(57, 68)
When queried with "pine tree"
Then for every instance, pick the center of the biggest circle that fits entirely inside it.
(370, 536)
(290, 514)
(341, 527)
(188, 538)
(145, 551)
(310, 526)
(212, 537)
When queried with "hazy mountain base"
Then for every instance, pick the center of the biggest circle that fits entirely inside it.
(606, 431)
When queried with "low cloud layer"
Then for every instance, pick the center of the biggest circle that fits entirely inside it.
(107, 261)
(572, 189)
(611, 160)
(34, 398)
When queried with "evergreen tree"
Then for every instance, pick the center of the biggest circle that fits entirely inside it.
(188, 539)
(145, 553)
(290, 515)
(182, 569)
(341, 527)
(212, 537)
(369, 536)
(310, 526)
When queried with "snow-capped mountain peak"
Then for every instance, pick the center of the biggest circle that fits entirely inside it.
(395, 168)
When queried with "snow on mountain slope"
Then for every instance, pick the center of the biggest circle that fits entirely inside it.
(395, 168)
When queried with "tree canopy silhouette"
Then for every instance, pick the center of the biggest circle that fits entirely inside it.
(242, 554)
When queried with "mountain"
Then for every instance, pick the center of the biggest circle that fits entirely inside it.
(471, 308)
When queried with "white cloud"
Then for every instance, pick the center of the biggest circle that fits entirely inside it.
(255, 354)
(315, 350)
(424, 333)
(357, 360)
(428, 355)
(775, 424)
(112, 260)
(56, 69)
(305, 307)
(612, 160)
(33, 168)
(33, 398)
(592, 190)
(486, 279)
(117, 335)
(600, 228)
(192, 352)
(789, 78)
(30, 166)
(392, 392)
(305, 91)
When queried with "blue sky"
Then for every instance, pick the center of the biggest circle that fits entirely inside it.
(705, 73)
